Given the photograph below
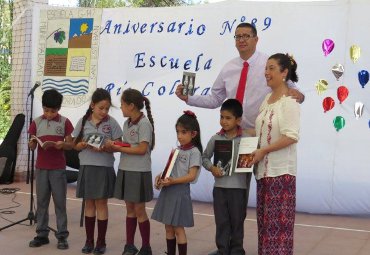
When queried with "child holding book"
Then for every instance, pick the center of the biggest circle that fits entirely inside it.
(230, 191)
(134, 178)
(96, 177)
(174, 207)
(51, 179)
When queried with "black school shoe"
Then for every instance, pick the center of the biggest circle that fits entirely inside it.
(130, 249)
(87, 249)
(145, 251)
(62, 244)
(99, 250)
(38, 241)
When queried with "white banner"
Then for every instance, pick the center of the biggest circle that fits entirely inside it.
(149, 48)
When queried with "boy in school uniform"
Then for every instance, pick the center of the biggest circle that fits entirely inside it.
(50, 166)
(229, 192)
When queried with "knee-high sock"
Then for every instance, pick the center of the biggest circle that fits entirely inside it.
(182, 248)
(131, 224)
(102, 230)
(89, 228)
(145, 232)
(171, 246)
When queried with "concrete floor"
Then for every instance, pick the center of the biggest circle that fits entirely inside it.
(314, 234)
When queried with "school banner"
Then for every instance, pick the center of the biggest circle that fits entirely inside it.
(150, 48)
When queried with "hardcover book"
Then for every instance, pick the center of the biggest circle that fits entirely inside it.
(121, 144)
(44, 145)
(246, 147)
(223, 156)
(170, 163)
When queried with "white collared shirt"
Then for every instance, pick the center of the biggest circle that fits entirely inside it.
(226, 84)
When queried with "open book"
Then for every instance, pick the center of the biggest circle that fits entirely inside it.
(231, 161)
(170, 163)
(44, 145)
(95, 139)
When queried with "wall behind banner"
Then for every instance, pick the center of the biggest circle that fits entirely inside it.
(149, 48)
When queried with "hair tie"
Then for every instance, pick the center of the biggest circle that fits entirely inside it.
(291, 58)
(190, 113)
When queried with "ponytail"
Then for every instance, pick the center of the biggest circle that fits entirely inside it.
(150, 117)
(133, 96)
(84, 119)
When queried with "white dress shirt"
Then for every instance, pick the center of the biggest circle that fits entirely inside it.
(227, 83)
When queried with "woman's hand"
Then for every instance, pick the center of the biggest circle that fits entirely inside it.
(257, 155)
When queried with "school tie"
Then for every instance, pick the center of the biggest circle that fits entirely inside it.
(242, 83)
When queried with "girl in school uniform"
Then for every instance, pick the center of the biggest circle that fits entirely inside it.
(174, 207)
(134, 177)
(96, 177)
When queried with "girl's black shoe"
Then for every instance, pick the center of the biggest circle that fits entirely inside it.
(99, 250)
(87, 249)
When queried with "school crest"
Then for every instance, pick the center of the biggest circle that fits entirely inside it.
(68, 53)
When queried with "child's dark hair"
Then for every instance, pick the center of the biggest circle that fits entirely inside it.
(52, 99)
(99, 95)
(189, 122)
(287, 62)
(233, 106)
(133, 96)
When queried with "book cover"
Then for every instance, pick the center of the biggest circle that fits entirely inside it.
(246, 147)
(223, 156)
(44, 145)
(170, 163)
(188, 80)
(95, 139)
(121, 144)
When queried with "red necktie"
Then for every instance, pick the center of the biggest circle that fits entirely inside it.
(242, 83)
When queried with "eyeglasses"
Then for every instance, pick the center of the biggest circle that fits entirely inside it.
(245, 37)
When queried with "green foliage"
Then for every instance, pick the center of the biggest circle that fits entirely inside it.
(6, 16)
(133, 3)
(155, 3)
(102, 3)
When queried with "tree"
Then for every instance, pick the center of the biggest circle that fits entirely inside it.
(6, 18)
(133, 3)
(101, 3)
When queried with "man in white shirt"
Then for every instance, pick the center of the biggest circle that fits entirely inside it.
(226, 83)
